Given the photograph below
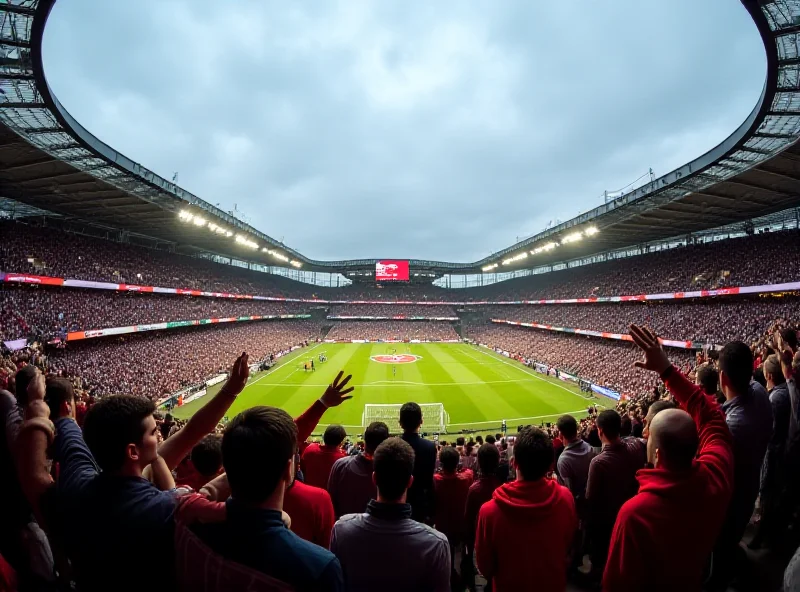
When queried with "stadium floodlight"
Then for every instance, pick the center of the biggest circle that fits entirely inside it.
(185, 216)
(546, 247)
(277, 255)
(572, 238)
(591, 231)
(243, 240)
(218, 229)
(198, 221)
(294, 263)
(489, 267)
(519, 257)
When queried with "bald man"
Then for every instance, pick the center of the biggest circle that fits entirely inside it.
(664, 535)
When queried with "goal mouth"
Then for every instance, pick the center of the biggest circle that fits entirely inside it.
(434, 417)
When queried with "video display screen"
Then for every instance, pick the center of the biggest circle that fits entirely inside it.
(391, 271)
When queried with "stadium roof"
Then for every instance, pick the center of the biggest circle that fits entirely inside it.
(50, 163)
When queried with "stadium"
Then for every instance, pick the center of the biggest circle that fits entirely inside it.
(107, 269)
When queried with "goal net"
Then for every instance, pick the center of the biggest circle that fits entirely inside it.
(434, 417)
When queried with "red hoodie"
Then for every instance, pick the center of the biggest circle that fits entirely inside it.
(664, 535)
(311, 511)
(317, 461)
(524, 534)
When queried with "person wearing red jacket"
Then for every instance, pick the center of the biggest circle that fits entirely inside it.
(525, 531)
(664, 535)
(450, 488)
(311, 511)
(317, 460)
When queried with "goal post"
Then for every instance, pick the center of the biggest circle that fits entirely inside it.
(434, 417)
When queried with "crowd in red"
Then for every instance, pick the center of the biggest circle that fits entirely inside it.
(392, 330)
(714, 321)
(158, 363)
(45, 311)
(605, 362)
(391, 310)
(655, 495)
(30, 249)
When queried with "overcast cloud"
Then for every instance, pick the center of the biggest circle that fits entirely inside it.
(388, 129)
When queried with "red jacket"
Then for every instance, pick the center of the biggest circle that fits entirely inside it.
(664, 535)
(311, 511)
(451, 500)
(317, 461)
(524, 534)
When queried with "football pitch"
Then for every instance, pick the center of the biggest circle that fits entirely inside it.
(478, 387)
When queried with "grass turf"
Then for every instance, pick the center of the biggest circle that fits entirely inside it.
(477, 387)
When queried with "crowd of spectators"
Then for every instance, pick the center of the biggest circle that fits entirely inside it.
(157, 363)
(715, 321)
(391, 310)
(607, 363)
(392, 330)
(42, 312)
(36, 250)
(622, 501)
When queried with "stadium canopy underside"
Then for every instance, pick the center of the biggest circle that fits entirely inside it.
(50, 163)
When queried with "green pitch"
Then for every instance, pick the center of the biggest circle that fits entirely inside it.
(477, 387)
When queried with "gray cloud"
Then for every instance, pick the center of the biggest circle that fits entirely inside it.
(363, 129)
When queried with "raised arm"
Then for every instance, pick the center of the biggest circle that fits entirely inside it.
(335, 394)
(202, 423)
(715, 448)
(35, 435)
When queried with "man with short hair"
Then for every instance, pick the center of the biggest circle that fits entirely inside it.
(420, 494)
(773, 471)
(654, 409)
(60, 397)
(384, 548)
(707, 378)
(664, 534)
(317, 460)
(612, 482)
(748, 413)
(106, 512)
(524, 533)
(573, 463)
(479, 493)
(451, 486)
(258, 451)
(206, 462)
(350, 484)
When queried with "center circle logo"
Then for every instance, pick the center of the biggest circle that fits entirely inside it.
(395, 359)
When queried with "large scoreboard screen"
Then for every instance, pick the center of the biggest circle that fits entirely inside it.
(391, 271)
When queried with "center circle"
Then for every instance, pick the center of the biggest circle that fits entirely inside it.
(395, 359)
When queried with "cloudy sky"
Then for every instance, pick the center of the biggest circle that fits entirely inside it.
(394, 129)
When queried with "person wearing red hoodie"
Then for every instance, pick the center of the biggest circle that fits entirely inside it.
(317, 460)
(664, 535)
(525, 531)
(450, 488)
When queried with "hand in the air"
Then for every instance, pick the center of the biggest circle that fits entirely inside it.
(655, 358)
(239, 374)
(335, 393)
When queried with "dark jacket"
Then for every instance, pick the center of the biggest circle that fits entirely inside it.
(384, 549)
(772, 471)
(749, 419)
(421, 494)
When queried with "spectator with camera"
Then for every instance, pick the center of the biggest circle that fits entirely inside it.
(385, 548)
